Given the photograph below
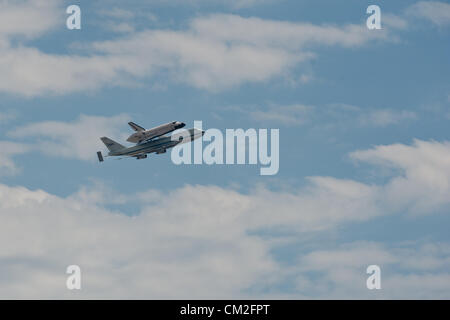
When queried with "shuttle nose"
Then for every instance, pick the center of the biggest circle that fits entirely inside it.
(179, 125)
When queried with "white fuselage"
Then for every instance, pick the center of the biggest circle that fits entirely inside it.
(144, 135)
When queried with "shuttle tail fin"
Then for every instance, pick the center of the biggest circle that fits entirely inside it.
(135, 127)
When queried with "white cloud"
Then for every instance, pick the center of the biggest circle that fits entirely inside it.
(347, 115)
(425, 184)
(78, 139)
(24, 69)
(121, 20)
(385, 117)
(235, 4)
(118, 13)
(246, 3)
(271, 33)
(290, 115)
(8, 150)
(207, 237)
(408, 271)
(164, 252)
(394, 21)
(434, 11)
(214, 53)
(121, 27)
(195, 237)
(28, 18)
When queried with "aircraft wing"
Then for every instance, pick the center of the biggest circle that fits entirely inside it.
(136, 127)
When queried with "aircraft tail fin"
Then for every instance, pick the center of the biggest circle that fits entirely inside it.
(111, 144)
(135, 127)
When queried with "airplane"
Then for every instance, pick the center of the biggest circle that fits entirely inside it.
(150, 141)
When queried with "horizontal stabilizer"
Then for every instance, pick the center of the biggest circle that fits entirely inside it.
(135, 127)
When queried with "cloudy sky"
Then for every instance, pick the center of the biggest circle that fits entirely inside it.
(364, 172)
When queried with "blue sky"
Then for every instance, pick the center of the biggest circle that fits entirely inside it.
(364, 154)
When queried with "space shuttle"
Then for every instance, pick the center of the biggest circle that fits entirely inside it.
(142, 135)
